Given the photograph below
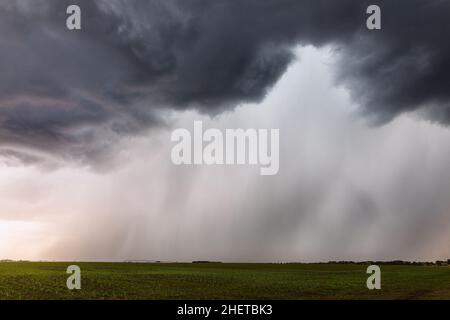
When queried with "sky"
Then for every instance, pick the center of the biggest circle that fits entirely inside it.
(86, 118)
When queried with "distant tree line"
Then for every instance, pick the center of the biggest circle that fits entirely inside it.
(396, 262)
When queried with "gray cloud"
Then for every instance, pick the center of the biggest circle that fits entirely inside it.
(345, 191)
(73, 93)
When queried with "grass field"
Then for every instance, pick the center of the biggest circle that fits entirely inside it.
(33, 280)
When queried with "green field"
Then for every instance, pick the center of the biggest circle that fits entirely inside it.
(33, 280)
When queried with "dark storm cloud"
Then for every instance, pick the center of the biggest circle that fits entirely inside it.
(66, 91)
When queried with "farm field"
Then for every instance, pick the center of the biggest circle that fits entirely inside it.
(47, 280)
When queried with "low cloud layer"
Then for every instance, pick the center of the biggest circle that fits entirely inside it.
(74, 94)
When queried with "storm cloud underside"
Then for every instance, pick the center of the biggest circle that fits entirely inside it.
(74, 94)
